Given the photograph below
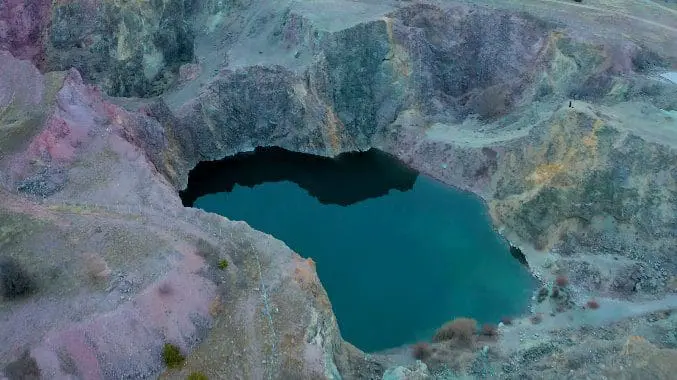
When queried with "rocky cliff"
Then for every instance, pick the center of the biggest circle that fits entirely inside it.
(559, 121)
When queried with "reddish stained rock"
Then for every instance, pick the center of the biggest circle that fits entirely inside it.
(68, 126)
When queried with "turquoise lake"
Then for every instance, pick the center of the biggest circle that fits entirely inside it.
(397, 266)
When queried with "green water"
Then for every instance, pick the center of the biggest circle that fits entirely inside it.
(395, 267)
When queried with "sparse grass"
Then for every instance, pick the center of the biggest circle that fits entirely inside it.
(172, 356)
(17, 128)
(122, 245)
(460, 331)
(223, 264)
(206, 249)
(197, 376)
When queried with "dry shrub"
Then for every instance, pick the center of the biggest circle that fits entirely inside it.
(489, 329)
(542, 294)
(96, 266)
(460, 330)
(592, 304)
(536, 318)
(421, 351)
(555, 292)
(165, 288)
(562, 281)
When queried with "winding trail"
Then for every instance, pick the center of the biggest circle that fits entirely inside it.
(601, 10)
(571, 4)
(610, 311)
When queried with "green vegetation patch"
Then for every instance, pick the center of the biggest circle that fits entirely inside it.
(17, 128)
(122, 245)
(19, 124)
(172, 356)
(197, 376)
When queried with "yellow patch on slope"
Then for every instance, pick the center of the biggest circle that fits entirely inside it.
(572, 154)
(334, 126)
(397, 55)
(591, 139)
(545, 173)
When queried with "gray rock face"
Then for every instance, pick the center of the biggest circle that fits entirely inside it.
(129, 48)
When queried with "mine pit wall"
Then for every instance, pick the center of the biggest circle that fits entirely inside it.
(574, 182)
(571, 181)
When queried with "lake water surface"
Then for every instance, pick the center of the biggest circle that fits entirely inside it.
(395, 266)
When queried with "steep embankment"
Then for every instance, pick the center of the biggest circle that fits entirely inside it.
(102, 266)
(476, 96)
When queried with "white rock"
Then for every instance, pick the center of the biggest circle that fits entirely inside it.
(671, 76)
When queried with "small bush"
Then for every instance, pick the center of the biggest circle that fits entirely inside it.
(172, 356)
(460, 330)
(14, 281)
(555, 292)
(165, 288)
(95, 266)
(197, 376)
(536, 318)
(223, 264)
(25, 368)
(489, 329)
(542, 294)
(421, 351)
(592, 304)
(506, 321)
(562, 281)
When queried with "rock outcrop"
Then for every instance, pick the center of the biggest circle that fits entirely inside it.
(569, 135)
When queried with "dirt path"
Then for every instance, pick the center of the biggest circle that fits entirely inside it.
(648, 12)
(661, 7)
(610, 311)
(612, 12)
